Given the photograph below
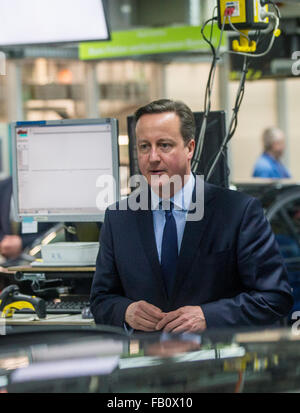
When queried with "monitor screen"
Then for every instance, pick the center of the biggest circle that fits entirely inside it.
(213, 138)
(34, 22)
(65, 170)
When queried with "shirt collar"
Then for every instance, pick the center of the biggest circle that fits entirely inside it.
(181, 198)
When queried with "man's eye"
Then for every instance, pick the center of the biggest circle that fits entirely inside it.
(143, 146)
(165, 145)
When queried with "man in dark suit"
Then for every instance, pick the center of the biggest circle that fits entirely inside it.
(12, 241)
(227, 270)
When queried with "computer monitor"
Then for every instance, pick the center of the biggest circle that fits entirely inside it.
(65, 170)
(40, 22)
(213, 138)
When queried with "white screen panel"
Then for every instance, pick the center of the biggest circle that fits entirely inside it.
(25, 22)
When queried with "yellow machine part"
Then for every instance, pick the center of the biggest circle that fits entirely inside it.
(9, 309)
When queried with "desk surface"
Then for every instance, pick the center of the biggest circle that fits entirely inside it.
(51, 319)
(5, 271)
(50, 269)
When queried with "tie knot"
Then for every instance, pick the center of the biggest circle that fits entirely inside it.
(168, 213)
(166, 206)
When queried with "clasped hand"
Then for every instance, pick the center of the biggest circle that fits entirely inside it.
(144, 316)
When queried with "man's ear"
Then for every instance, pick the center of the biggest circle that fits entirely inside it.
(191, 147)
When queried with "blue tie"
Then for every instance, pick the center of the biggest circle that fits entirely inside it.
(169, 250)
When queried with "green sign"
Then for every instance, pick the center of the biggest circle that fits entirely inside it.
(149, 41)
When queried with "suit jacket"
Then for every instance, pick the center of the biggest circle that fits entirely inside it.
(5, 223)
(229, 264)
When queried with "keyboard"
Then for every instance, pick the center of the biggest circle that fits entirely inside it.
(66, 307)
(61, 307)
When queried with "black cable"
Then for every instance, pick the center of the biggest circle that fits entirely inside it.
(212, 19)
(233, 122)
(222, 155)
(214, 62)
(257, 37)
(237, 105)
(239, 98)
(208, 89)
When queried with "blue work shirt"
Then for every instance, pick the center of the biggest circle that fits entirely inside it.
(268, 167)
(181, 201)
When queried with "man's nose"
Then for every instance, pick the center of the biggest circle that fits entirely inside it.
(154, 155)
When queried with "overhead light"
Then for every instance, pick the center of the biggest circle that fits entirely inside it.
(123, 140)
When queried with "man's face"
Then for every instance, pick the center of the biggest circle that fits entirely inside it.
(278, 148)
(162, 153)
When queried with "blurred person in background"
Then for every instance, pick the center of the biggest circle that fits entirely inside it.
(268, 164)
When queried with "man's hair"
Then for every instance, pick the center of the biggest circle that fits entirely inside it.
(271, 135)
(186, 116)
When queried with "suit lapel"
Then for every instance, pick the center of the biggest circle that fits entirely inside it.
(192, 237)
